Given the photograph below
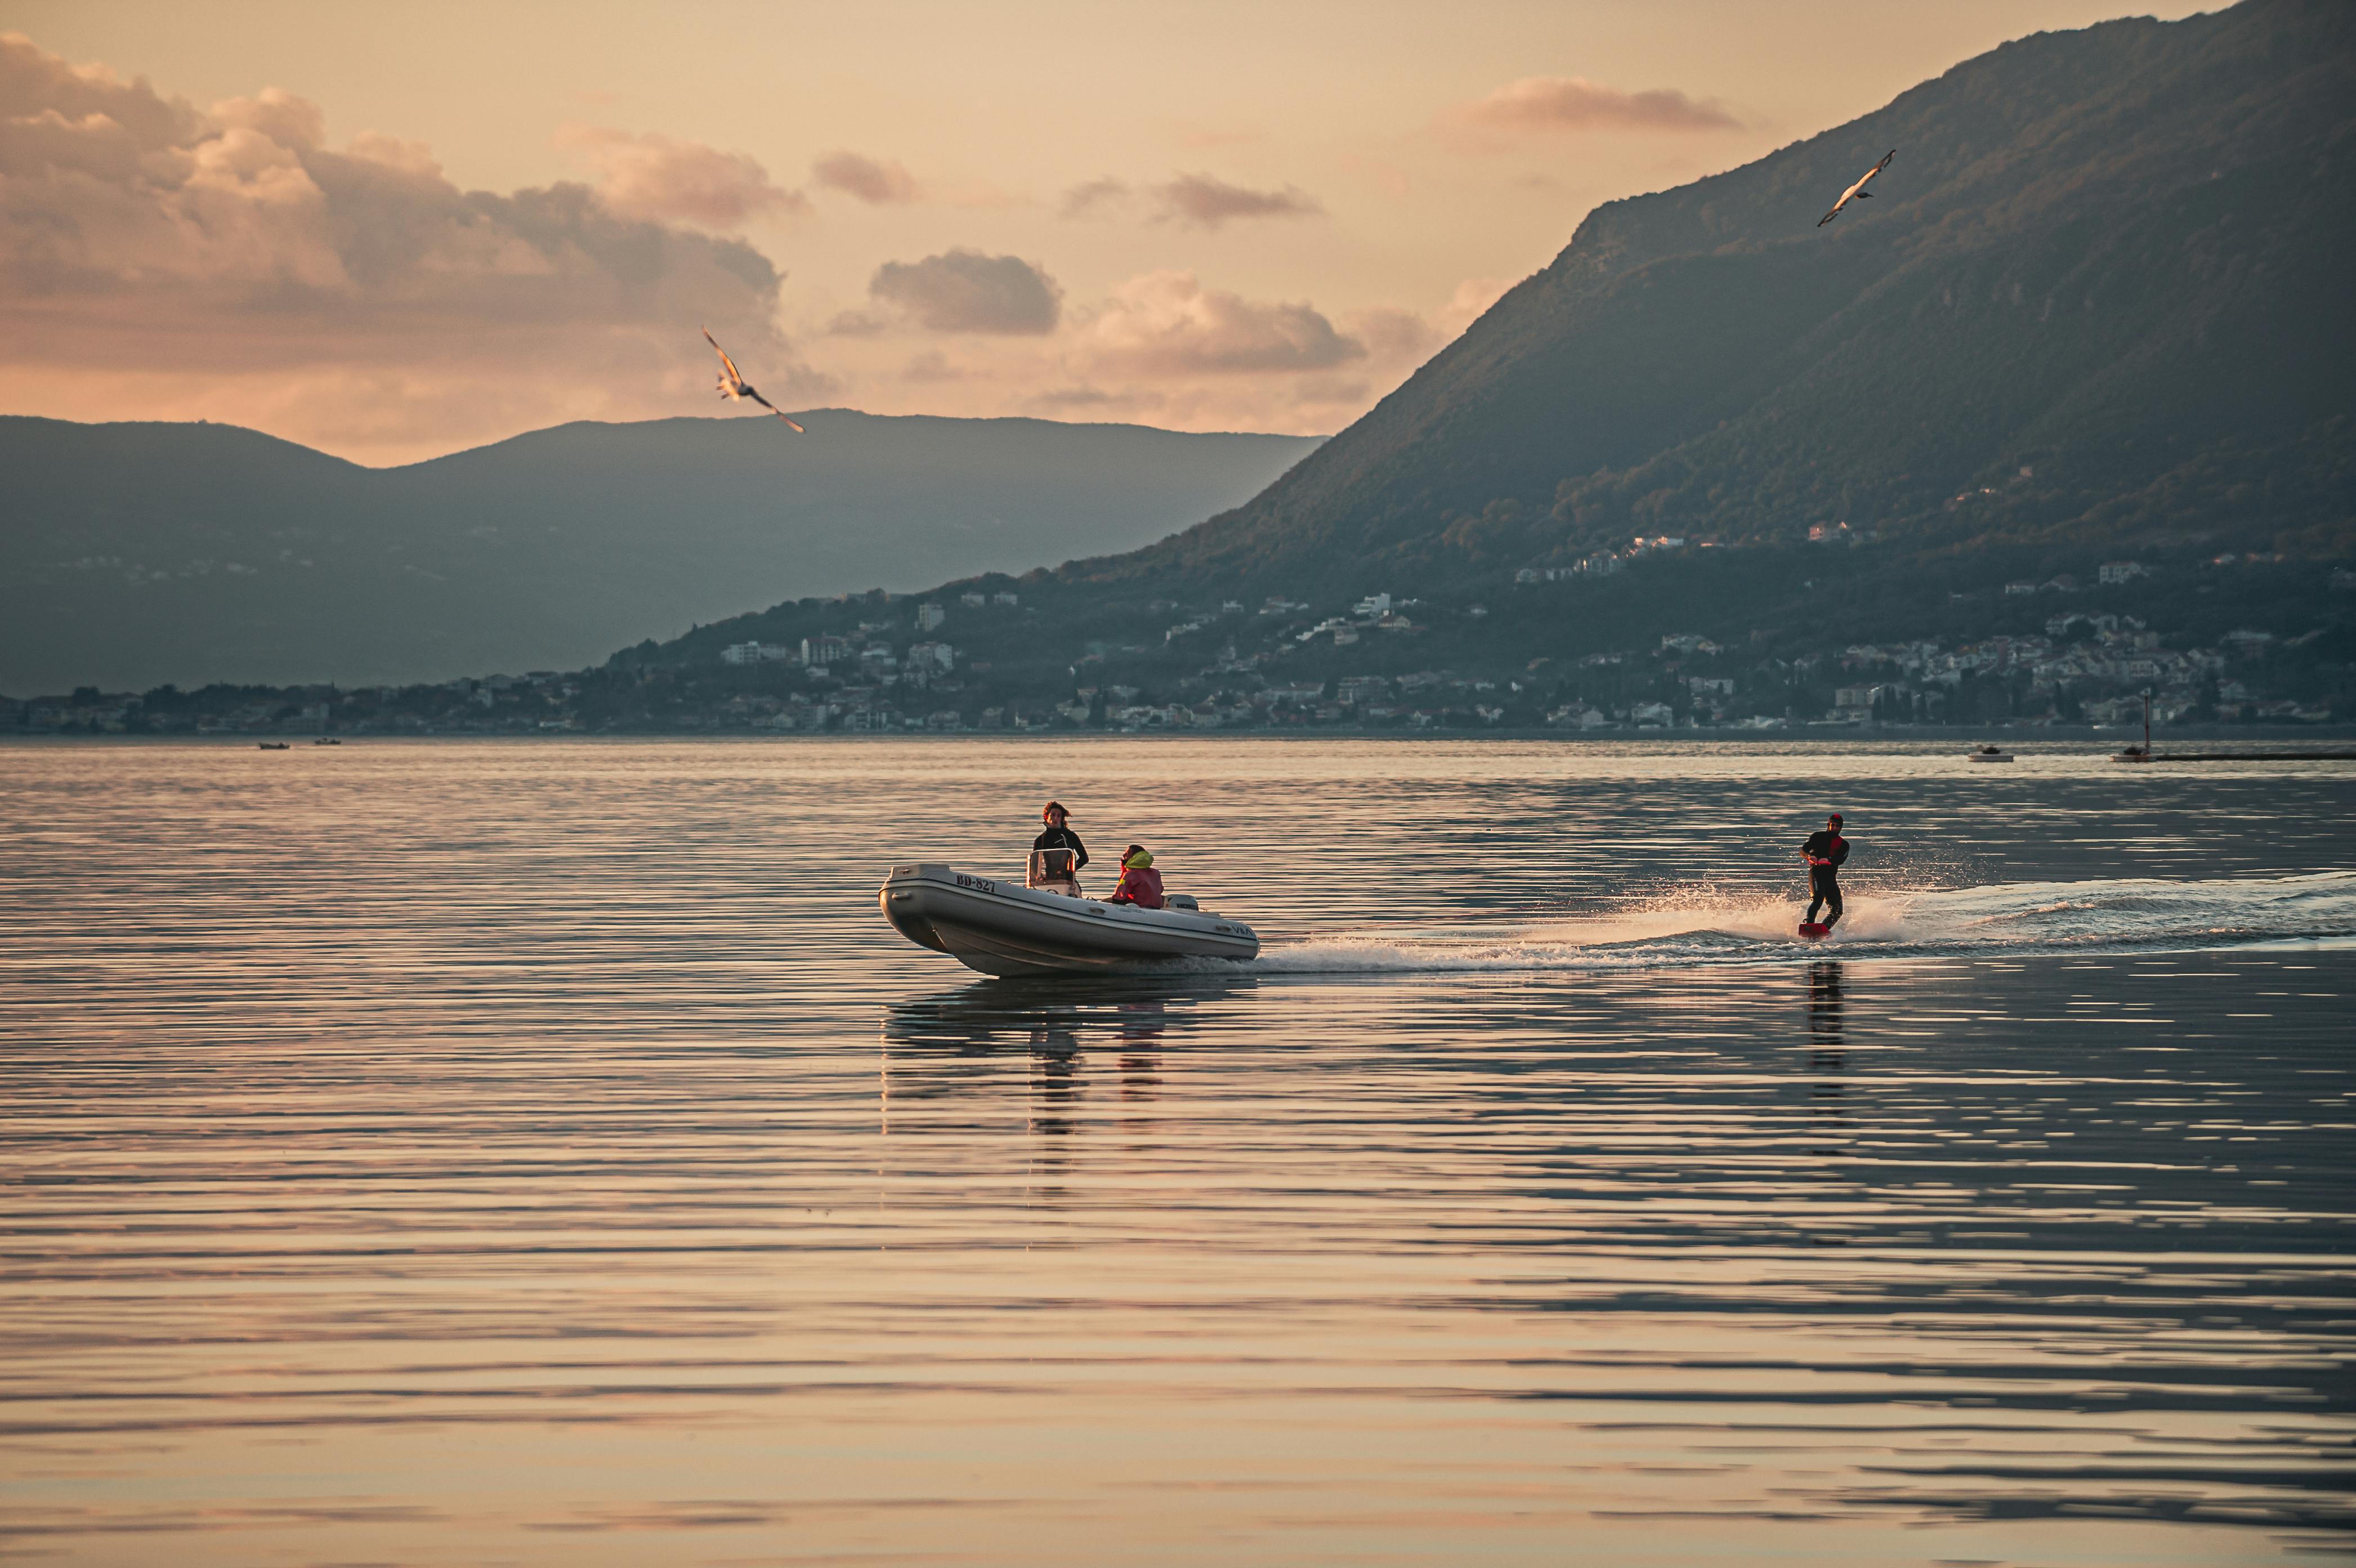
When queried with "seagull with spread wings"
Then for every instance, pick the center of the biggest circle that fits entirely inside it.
(733, 384)
(1857, 192)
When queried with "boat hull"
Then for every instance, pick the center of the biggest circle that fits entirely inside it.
(1003, 927)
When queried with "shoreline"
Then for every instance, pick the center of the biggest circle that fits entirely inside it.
(2054, 740)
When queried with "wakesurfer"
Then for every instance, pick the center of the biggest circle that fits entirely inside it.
(1824, 851)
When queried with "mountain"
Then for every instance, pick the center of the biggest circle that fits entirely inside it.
(133, 554)
(2102, 291)
(2064, 410)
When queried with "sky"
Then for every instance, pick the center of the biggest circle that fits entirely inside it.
(395, 231)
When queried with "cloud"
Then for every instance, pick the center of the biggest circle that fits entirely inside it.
(1570, 103)
(1093, 399)
(964, 291)
(1167, 348)
(931, 367)
(1094, 196)
(1200, 201)
(278, 114)
(409, 157)
(160, 262)
(1392, 334)
(33, 81)
(1166, 324)
(877, 184)
(1397, 338)
(1207, 202)
(1174, 350)
(1470, 301)
(647, 174)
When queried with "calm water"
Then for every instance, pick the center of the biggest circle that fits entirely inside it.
(544, 1153)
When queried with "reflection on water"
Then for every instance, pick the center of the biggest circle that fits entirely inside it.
(1109, 1012)
(545, 1155)
(1104, 1033)
(1826, 1060)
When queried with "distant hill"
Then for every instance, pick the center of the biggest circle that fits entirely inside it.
(134, 554)
(2102, 292)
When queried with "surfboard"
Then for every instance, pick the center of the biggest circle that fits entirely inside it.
(1813, 932)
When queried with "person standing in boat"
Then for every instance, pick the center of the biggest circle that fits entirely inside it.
(1824, 851)
(1056, 854)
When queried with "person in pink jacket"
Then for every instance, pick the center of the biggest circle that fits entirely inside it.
(1139, 883)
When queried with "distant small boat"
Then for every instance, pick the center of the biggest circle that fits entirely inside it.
(270, 746)
(1989, 754)
(326, 743)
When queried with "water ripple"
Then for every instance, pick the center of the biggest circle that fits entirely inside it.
(544, 1154)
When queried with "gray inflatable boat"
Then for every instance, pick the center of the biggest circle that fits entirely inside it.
(1003, 927)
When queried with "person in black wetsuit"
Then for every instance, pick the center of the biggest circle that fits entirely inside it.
(1056, 854)
(1824, 851)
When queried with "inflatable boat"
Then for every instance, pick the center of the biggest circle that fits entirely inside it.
(1000, 927)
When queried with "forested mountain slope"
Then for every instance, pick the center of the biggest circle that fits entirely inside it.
(2101, 291)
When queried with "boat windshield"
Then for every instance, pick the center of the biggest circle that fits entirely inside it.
(1051, 868)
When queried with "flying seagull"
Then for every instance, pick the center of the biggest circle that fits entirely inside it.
(1854, 193)
(733, 384)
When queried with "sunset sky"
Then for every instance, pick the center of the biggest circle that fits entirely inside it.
(393, 232)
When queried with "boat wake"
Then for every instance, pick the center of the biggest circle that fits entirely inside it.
(2020, 917)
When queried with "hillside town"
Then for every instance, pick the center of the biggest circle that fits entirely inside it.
(966, 663)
